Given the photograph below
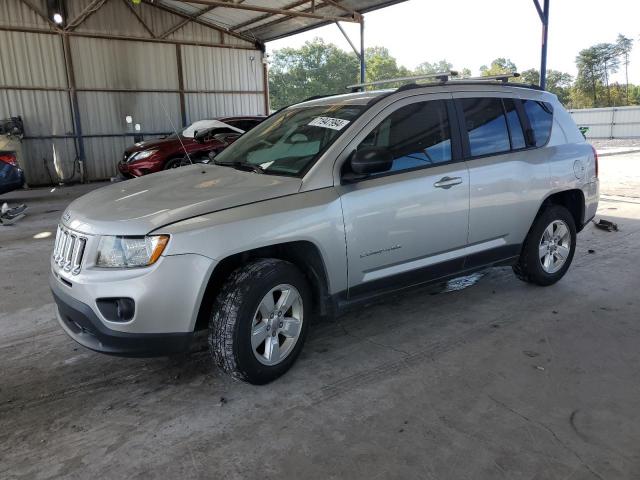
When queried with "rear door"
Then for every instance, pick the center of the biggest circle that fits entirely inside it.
(409, 224)
(508, 175)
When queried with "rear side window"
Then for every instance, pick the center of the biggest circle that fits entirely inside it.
(417, 135)
(486, 125)
(515, 127)
(541, 118)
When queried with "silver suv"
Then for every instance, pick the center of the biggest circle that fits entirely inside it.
(325, 205)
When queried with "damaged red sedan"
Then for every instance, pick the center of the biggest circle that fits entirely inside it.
(198, 142)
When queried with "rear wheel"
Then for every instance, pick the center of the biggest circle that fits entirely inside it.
(259, 320)
(549, 248)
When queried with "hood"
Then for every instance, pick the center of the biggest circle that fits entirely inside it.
(156, 143)
(138, 206)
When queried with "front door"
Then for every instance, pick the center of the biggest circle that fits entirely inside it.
(409, 224)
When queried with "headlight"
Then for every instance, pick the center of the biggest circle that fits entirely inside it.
(129, 252)
(142, 155)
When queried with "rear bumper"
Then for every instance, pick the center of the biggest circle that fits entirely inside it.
(81, 323)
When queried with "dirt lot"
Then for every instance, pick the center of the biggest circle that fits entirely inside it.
(498, 380)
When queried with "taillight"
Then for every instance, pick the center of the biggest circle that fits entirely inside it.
(595, 158)
(9, 157)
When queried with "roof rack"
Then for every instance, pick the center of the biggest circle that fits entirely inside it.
(441, 76)
(503, 77)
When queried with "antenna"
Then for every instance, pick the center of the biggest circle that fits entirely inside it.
(441, 77)
(174, 130)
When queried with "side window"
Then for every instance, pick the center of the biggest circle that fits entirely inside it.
(416, 135)
(515, 127)
(486, 125)
(541, 118)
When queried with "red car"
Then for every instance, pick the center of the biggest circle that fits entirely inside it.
(201, 140)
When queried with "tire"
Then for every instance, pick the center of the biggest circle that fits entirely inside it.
(174, 163)
(237, 316)
(532, 266)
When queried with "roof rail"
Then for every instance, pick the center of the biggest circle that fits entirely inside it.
(441, 76)
(503, 77)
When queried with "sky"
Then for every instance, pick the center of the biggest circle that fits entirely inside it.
(471, 33)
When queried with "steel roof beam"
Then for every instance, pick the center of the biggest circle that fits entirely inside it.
(201, 22)
(278, 11)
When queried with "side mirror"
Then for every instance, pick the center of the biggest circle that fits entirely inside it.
(199, 136)
(371, 160)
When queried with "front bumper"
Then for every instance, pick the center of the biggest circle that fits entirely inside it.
(81, 323)
(166, 295)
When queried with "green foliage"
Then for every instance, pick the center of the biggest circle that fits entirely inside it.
(427, 68)
(319, 68)
(498, 67)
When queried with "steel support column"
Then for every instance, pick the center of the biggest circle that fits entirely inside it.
(183, 108)
(363, 65)
(543, 13)
(73, 97)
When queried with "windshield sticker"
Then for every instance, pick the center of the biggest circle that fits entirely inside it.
(328, 122)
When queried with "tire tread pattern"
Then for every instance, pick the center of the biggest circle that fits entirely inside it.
(224, 316)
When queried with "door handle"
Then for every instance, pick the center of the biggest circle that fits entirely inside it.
(448, 182)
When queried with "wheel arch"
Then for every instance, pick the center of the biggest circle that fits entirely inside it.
(303, 254)
(573, 200)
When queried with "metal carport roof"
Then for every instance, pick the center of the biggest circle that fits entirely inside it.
(266, 20)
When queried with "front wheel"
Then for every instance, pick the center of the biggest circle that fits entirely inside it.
(549, 247)
(259, 320)
(176, 163)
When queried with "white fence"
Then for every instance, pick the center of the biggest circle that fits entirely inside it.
(610, 122)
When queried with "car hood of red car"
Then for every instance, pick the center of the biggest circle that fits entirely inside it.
(141, 205)
(157, 143)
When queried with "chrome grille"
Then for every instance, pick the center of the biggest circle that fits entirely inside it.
(68, 250)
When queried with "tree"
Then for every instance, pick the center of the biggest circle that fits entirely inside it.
(317, 68)
(498, 67)
(443, 65)
(559, 83)
(427, 68)
(590, 72)
(381, 65)
(608, 57)
(624, 46)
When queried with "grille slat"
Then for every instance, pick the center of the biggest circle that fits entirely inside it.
(68, 250)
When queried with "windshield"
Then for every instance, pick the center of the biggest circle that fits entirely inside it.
(291, 140)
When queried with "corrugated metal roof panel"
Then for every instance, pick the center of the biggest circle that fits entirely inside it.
(194, 32)
(102, 156)
(102, 63)
(273, 26)
(201, 106)
(117, 17)
(31, 59)
(105, 113)
(37, 160)
(17, 13)
(210, 68)
(43, 113)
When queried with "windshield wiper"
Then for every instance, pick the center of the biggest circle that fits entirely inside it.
(245, 166)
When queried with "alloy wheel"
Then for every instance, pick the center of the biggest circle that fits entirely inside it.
(555, 246)
(277, 324)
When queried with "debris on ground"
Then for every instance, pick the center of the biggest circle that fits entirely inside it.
(463, 282)
(10, 215)
(591, 250)
(606, 225)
